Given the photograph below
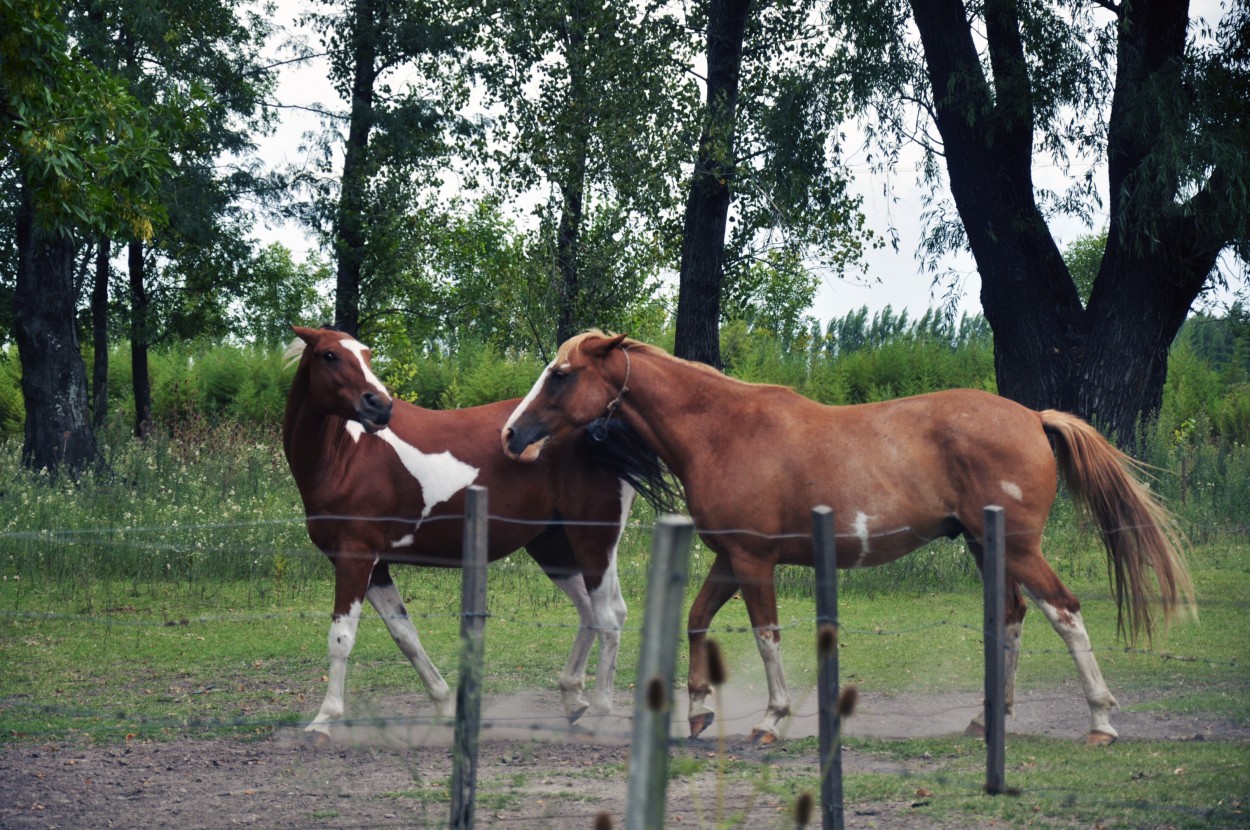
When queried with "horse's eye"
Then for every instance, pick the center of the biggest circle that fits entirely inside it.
(558, 377)
(330, 357)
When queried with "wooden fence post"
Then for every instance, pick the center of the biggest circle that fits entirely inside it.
(657, 662)
(472, 648)
(825, 548)
(993, 572)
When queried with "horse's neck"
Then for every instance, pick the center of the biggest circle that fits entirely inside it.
(678, 408)
(309, 438)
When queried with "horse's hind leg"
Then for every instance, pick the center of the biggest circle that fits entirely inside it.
(1013, 622)
(385, 598)
(608, 605)
(1053, 599)
(573, 678)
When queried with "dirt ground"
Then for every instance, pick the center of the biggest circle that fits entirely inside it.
(531, 772)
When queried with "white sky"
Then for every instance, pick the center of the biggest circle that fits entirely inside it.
(892, 277)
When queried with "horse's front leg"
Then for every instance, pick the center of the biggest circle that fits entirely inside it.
(717, 588)
(385, 598)
(351, 580)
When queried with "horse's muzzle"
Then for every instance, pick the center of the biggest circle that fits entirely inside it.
(374, 411)
(522, 445)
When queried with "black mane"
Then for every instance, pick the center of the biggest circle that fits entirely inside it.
(611, 443)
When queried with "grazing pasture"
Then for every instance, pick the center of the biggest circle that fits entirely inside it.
(162, 633)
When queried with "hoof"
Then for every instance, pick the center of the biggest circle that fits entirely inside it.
(700, 723)
(1097, 738)
(577, 714)
(974, 730)
(759, 736)
(316, 739)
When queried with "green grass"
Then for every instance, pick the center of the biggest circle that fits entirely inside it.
(1130, 784)
(178, 596)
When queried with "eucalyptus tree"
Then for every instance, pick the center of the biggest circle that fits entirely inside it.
(84, 158)
(394, 64)
(1136, 91)
(769, 209)
(589, 105)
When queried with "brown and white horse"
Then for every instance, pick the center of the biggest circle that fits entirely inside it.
(755, 459)
(383, 483)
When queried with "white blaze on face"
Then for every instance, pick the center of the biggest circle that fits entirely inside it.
(529, 398)
(358, 349)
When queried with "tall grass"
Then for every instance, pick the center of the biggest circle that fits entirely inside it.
(192, 506)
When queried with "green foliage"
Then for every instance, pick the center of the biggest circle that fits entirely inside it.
(791, 188)
(859, 361)
(1084, 257)
(91, 155)
(593, 115)
(12, 410)
(475, 375)
(277, 292)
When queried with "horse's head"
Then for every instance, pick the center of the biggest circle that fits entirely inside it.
(574, 390)
(340, 379)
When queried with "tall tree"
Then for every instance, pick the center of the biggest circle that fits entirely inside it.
(389, 132)
(1004, 82)
(707, 205)
(590, 103)
(207, 51)
(86, 159)
(769, 207)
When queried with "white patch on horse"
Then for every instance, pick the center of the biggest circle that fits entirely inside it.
(1070, 626)
(357, 348)
(861, 530)
(404, 541)
(533, 393)
(441, 475)
(342, 638)
(355, 429)
(1012, 489)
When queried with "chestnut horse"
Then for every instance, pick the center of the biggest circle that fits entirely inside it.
(383, 483)
(754, 460)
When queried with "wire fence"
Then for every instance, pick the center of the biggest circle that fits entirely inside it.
(723, 762)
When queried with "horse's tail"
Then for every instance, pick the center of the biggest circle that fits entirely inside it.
(1137, 531)
(612, 444)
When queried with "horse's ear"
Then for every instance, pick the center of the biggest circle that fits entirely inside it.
(305, 334)
(607, 344)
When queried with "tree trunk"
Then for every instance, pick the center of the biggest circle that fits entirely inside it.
(140, 335)
(100, 336)
(567, 238)
(58, 435)
(1107, 363)
(351, 237)
(573, 187)
(707, 207)
(1159, 251)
